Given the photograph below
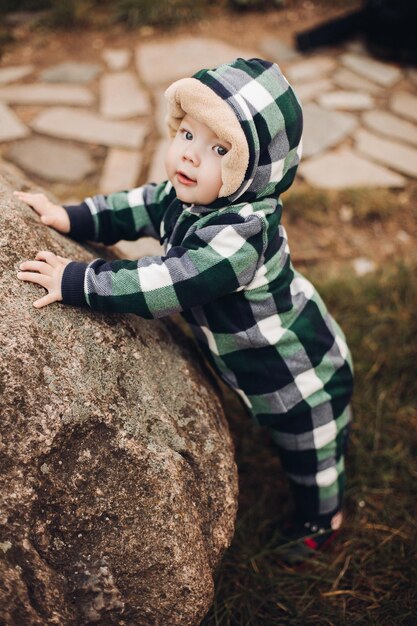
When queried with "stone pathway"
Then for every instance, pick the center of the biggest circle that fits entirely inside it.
(360, 114)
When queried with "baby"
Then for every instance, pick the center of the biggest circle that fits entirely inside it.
(236, 144)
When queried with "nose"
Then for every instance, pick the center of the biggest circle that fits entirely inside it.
(191, 154)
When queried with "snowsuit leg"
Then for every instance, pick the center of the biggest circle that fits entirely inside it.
(311, 443)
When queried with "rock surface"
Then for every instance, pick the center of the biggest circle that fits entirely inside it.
(118, 480)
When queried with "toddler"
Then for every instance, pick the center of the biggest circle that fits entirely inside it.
(236, 144)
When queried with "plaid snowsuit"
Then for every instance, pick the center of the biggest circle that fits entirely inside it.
(227, 270)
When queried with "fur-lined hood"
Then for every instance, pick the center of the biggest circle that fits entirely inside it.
(250, 104)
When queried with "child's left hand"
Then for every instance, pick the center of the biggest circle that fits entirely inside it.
(46, 270)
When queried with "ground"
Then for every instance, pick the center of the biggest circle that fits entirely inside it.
(323, 226)
(366, 578)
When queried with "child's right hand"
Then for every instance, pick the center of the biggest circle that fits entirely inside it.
(51, 214)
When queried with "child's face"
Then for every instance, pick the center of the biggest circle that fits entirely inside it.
(193, 162)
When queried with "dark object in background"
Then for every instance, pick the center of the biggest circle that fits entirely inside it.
(388, 26)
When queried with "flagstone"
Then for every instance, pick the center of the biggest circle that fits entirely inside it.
(161, 112)
(391, 153)
(277, 50)
(160, 63)
(121, 170)
(324, 128)
(412, 75)
(157, 172)
(404, 104)
(382, 73)
(14, 73)
(86, 126)
(51, 160)
(357, 46)
(116, 58)
(344, 168)
(133, 250)
(346, 79)
(387, 124)
(309, 91)
(11, 127)
(311, 69)
(347, 100)
(46, 94)
(121, 97)
(71, 72)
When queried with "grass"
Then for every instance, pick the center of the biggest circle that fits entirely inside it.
(368, 575)
(365, 205)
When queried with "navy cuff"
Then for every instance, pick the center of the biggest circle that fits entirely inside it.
(81, 222)
(72, 285)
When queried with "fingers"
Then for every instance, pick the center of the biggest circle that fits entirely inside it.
(39, 279)
(29, 198)
(48, 257)
(36, 266)
(48, 299)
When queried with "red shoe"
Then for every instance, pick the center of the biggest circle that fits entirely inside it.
(301, 540)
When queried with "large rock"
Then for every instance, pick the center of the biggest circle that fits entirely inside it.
(119, 486)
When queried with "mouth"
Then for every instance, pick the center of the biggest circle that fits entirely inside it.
(184, 179)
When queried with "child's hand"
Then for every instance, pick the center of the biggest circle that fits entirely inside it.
(47, 271)
(51, 214)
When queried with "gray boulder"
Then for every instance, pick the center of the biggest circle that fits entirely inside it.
(119, 487)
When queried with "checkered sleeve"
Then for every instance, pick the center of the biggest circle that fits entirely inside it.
(220, 257)
(123, 215)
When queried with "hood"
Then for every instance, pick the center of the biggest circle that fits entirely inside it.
(250, 104)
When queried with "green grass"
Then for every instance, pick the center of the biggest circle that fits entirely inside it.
(369, 574)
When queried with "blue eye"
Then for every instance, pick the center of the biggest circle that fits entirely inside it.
(186, 134)
(220, 150)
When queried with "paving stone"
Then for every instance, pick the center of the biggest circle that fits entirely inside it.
(412, 75)
(395, 155)
(161, 112)
(116, 58)
(387, 124)
(309, 91)
(346, 79)
(381, 73)
(163, 62)
(133, 250)
(51, 160)
(121, 170)
(71, 72)
(346, 100)
(11, 74)
(404, 104)
(121, 96)
(357, 46)
(46, 94)
(278, 51)
(311, 69)
(11, 127)
(157, 172)
(343, 169)
(89, 127)
(12, 169)
(324, 129)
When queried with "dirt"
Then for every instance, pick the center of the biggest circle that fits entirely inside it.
(323, 245)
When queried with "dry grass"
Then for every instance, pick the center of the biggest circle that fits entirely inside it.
(369, 574)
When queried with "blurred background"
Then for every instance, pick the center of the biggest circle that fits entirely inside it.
(82, 112)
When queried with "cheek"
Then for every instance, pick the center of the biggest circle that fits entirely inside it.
(215, 173)
(170, 160)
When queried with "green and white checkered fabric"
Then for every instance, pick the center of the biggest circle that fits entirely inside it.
(227, 270)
